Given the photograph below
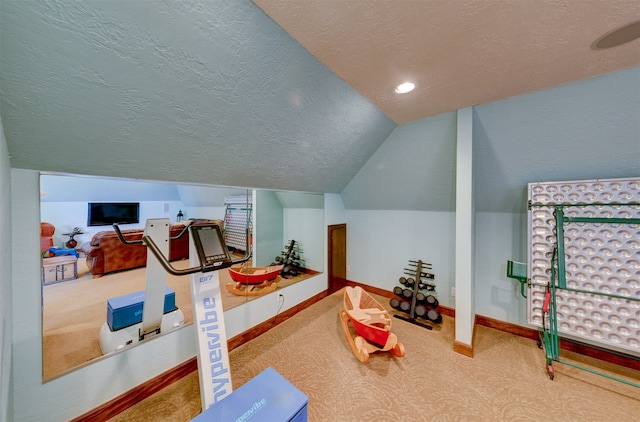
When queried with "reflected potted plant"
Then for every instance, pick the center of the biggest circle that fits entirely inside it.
(72, 243)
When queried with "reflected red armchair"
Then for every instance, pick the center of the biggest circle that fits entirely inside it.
(46, 236)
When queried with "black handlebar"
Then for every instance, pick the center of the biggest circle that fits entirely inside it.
(204, 267)
(139, 242)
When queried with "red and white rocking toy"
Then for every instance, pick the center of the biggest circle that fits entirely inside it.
(371, 322)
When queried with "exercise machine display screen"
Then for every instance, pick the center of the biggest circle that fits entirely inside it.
(211, 247)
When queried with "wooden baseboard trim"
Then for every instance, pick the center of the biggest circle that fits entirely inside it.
(614, 357)
(507, 327)
(265, 326)
(617, 358)
(463, 348)
(621, 359)
(146, 389)
(444, 310)
(124, 401)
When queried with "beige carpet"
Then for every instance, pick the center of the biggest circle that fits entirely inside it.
(74, 311)
(505, 381)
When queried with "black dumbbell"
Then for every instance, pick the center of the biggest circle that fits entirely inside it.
(431, 301)
(420, 310)
(433, 315)
(404, 306)
(395, 303)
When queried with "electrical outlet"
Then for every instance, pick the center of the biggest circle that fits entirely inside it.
(280, 298)
(453, 291)
(348, 268)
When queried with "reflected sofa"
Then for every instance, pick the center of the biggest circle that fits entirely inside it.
(105, 253)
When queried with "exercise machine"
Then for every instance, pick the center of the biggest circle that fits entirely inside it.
(581, 279)
(141, 315)
(208, 253)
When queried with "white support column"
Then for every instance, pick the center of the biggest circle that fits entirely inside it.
(465, 235)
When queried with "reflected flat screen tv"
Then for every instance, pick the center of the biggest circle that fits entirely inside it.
(109, 213)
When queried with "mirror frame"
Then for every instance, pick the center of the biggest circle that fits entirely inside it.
(300, 211)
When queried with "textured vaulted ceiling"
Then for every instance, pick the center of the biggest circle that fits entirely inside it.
(290, 95)
(188, 91)
(459, 53)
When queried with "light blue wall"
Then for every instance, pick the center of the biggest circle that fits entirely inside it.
(64, 203)
(300, 200)
(499, 237)
(400, 206)
(206, 213)
(277, 224)
(381, 243)
(6, 315)
(68, 188)
(268, 231)
(588, 129)
(67, 215)
(414, 169)
(301, 225)
(334, 212)
(206, 195)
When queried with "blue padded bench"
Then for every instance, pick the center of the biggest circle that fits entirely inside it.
(126, 310)
(62, 251)
(268, 397)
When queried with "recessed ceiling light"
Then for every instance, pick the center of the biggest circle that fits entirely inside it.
(618, 36)
(405, 87)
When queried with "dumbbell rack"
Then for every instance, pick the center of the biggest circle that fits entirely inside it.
(290, 259)
(419, 279)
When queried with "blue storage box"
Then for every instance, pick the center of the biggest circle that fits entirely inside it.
(123, 311)
(268, 397)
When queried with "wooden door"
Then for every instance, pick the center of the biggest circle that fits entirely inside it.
(337, 256)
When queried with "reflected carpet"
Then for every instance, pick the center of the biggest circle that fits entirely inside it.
(73, 311)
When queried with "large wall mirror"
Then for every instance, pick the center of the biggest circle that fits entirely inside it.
(75, 292)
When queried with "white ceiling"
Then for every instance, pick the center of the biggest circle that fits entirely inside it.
(459, 53)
